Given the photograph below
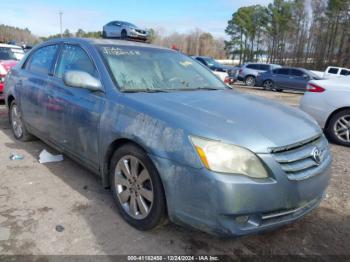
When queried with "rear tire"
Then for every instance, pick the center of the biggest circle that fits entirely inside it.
(19, 130)
(250, 81)
(338, 128)
(137, 188)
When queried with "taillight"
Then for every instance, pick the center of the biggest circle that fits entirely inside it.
(2, 78)
(314, 88)
(227, 80)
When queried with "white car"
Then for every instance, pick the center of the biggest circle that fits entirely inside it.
(332, 72)
(328, 101)
(335, 72)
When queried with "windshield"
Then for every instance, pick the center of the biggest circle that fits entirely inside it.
(211, 62)
(129, 24)
(7, 53)
(142, 68)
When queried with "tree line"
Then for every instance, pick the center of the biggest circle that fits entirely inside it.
(18, 35)
(292, 32)
(79, 33)
(195, 42)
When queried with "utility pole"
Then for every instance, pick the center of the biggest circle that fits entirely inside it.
(60, 14)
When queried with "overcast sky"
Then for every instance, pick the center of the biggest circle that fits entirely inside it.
(42, 18)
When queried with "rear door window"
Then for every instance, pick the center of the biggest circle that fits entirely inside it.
(333, 71)
(296, 72)
(345, 72)
(73, 57)
(281, 71)
(41, 61)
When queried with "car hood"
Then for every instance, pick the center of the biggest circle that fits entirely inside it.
(255, 123)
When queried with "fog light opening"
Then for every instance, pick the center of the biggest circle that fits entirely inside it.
(242, 219)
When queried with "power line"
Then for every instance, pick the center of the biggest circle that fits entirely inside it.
(60, 14)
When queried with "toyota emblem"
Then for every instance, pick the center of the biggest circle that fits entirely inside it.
(317, 155)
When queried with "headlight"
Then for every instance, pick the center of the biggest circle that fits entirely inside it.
(225, 158)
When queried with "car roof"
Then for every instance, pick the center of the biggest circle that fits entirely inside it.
(289, 67)
(256, 63)
(10, 46)
(98, 41)
(199, 56)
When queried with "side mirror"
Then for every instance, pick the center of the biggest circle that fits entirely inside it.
(82, 80)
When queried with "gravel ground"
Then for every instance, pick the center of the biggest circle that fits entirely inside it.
(61, 208)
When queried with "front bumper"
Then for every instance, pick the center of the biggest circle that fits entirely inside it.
(232, 205)
(137, 35)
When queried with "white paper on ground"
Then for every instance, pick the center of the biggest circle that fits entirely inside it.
(46, 157)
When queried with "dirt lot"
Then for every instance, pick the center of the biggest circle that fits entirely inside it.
(36, 198)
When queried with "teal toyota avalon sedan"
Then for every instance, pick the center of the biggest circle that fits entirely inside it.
(168, 137)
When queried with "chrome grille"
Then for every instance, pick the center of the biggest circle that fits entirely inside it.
(299, 161)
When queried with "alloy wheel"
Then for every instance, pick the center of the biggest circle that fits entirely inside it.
(342, 128)
(16, 121)
(250, 81)
(134, 187)
(268, 84)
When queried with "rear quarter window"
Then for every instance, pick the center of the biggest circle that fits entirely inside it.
(264, 67)
(345, 72)
(253, 66)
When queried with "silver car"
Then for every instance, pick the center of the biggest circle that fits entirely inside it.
(328, 101)
(249, 72)
(124, 30)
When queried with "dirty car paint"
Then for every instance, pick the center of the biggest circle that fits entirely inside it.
(87, 126)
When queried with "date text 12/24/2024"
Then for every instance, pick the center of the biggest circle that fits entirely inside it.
(173, 258)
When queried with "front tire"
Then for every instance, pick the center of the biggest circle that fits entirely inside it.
(338, 128)
(137, 188)
(250, 81)
(268, 85)
(18, 128)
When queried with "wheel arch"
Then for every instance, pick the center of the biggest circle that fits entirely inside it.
(9, 100)
(249, 76)
(109, 154)
(335, 112)
(108, 157)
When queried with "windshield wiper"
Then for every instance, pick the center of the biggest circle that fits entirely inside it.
(147, 90)
(199, 88)
(209, 88)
